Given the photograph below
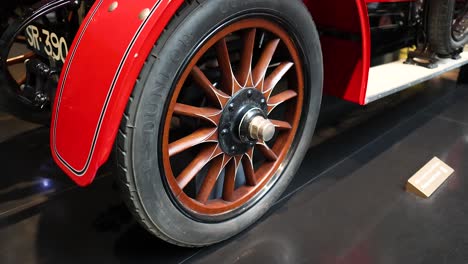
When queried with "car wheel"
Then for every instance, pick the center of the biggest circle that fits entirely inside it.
(448, 26)
(220, 118)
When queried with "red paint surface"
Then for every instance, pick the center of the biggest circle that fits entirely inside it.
(346, 62)
(82, 94)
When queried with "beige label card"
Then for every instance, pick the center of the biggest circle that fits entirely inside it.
(428, 179)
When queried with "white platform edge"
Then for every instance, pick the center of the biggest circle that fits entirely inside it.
(394, 77)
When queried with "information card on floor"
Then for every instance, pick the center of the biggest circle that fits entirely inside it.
(428, 179)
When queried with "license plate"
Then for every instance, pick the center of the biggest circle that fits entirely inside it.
(47, 43)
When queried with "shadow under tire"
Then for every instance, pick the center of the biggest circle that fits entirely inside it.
(189, 172)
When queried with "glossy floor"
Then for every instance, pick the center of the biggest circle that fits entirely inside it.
(347, 203)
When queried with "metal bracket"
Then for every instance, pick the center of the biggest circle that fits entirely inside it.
(40, 80)
(422, 57)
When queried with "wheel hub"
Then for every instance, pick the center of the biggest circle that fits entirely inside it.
(244, 122)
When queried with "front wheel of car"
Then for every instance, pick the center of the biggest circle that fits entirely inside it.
(220, 118)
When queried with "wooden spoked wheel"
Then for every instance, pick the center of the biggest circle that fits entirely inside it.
(212, 163)
(220, 118)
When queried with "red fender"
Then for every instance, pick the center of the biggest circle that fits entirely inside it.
(97, 79)
(346, 61)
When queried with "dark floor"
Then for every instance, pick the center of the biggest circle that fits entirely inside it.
(347, 204)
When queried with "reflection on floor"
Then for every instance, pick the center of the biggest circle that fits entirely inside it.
(346, 204)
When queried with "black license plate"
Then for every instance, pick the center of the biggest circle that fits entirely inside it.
(47, 43)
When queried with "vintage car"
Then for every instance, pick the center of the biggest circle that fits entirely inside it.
(207, 108)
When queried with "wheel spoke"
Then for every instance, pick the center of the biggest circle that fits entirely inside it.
(21, 39)
(70, 16)
(279, 99)
(206, 113)
(281, 125)
(200, 136)
(244, 76)
(22, 80)
(201, 160)
(275, 77)
(247, 165)
(230, 178)
(229, 84)
(264, 61)
(249, 154)
(211, 178)
(216, 96)
(267, 151)
(19, 59)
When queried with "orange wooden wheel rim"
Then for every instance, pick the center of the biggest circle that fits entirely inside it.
(262, 76)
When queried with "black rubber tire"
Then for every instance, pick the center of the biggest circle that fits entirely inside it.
(137, 156)
(440, 21)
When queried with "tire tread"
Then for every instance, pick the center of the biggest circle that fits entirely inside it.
(439, 27)
(123, 142)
